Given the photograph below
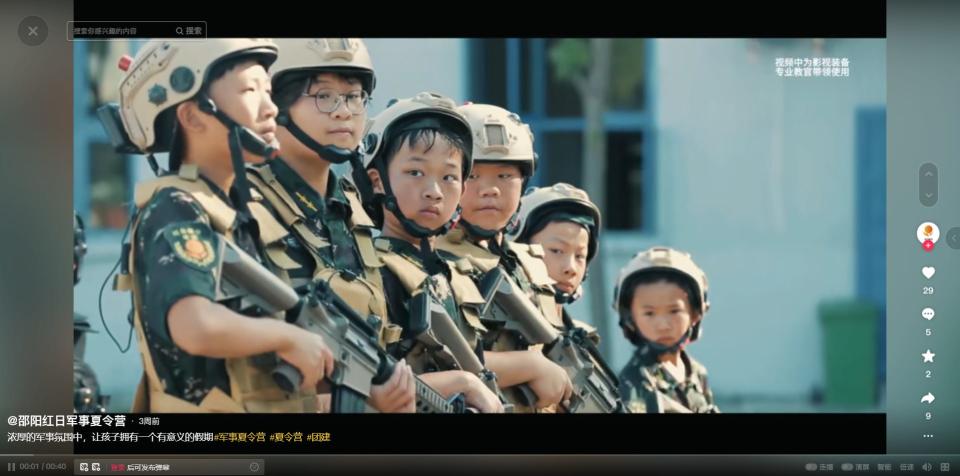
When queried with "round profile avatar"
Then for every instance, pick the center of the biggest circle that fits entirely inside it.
(928, 231)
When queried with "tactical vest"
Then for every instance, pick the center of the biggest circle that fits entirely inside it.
(429, 352)
(252, 389)
(539, 287)
(363, 293)
(530, 258)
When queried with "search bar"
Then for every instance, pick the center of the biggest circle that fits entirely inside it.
(111, 30)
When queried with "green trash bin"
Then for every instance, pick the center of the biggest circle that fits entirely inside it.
(850, 352)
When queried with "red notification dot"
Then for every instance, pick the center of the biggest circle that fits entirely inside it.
(124, 63)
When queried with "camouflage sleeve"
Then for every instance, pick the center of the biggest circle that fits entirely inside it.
(708, 393)
(626, 388)
(701, 373)
(176, 256)
(638, 392)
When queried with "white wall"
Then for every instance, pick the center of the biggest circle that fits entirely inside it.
(755, 177)
(407, 66)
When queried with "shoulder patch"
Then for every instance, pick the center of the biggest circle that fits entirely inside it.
(192, 243)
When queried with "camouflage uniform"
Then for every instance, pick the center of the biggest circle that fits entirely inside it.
(328, 239)
(645, 383)
(326, 217)
(176, 256)
(648, 387)
(181, 217)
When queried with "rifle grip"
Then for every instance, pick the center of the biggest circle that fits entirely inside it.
(287, 377)
(528, 395)
(384, 370)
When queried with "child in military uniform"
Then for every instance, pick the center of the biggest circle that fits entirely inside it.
(503, 161)
(566, 224)
(417, 153)
(208, 104)
(321, 87)
(661, 297)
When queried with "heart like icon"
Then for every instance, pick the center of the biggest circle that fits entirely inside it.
(928, 271)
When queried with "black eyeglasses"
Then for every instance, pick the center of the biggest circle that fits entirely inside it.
(328, 101)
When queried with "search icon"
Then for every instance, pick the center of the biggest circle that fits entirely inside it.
(180, 30)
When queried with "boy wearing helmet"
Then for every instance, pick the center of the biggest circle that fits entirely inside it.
(208, 104)
(503, 162)
(417, 152)
(566, 224)
(661, 298)
(321, 87)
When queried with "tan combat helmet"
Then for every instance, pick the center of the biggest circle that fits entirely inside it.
(561, 197)
(300, 59)
(499, 136)
(165, 73)
(335, 55)
(425, 110)
(660, 258)
(425, 104)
